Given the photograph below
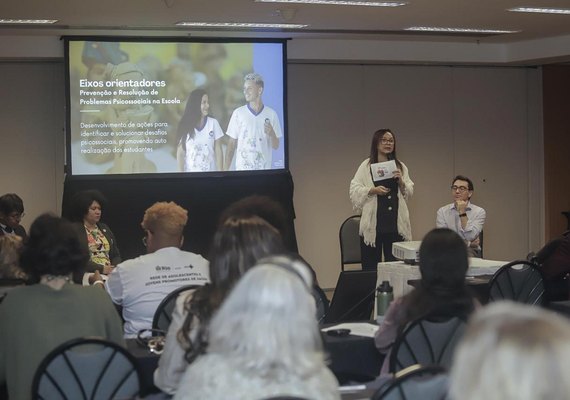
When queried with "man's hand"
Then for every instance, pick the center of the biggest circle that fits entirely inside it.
(460, 205)
(107, 269)
(269, 131)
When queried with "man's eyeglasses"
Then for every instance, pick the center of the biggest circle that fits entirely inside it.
(387, 141)
(460, 188)
(17, 215)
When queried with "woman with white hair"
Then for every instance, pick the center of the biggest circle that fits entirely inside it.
(264, 341)
(513, 352)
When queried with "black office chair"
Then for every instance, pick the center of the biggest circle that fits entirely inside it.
(87, 368)
(415, 382)
(350, 241)
(519, 281)
(322, 303)
(481, 243)
(430, 340)
(163, 314)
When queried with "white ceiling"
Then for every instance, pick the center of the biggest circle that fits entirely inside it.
(158, 17)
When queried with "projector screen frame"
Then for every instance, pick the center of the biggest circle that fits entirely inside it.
(71, 172)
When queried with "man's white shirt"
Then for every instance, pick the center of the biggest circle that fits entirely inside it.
(254, 150)
(448, 217)
(140, 284)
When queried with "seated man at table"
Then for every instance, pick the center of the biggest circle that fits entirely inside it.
(462, 216)
(140, 284)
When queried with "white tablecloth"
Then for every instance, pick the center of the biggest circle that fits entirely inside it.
(398, 273)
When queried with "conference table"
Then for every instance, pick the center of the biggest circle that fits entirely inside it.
(399, 273)
(350, 358)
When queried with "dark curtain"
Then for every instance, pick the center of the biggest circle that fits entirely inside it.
(204, 197)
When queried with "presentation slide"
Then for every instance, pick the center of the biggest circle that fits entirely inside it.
(165, 106)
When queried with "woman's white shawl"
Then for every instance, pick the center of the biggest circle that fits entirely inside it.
(366, 205)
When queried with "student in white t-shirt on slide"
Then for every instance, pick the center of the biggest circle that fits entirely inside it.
(253, 131)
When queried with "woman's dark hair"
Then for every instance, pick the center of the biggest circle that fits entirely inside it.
(378, 135)
(262, 206)
(443, 265)
(53, 248)
(191, 117)
(81, 201)
(237, 246)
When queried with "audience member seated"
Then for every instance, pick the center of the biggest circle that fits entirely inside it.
(87, 208)
(263, 341)
(268, 209)
(37, 318)
(443, 265)
(10, 249)
(462, 216)
(237, 245)
(272, 212)
(11, 213)
(513, 352)
(554, 262)
(140, 284)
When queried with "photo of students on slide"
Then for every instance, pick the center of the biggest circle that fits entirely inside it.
(199, 144)
(254, 130)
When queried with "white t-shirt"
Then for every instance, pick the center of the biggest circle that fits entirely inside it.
(200, 155)
(140, 284)
(253, 145)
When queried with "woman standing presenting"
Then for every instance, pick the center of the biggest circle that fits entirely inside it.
(384, 213)
(199, 146)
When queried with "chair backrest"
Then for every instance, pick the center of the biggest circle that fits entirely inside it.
(350, 241)
(163, 314)
(87, 368)
(353, 297)
(415, 382)
(430, 340)
(519, 281)
(322, 303)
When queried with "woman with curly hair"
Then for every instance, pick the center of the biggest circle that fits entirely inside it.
(36, 319)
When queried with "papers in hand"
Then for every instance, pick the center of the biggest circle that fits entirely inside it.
(383, 170)
(356, 328)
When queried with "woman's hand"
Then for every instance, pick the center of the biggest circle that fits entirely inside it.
(398, 177)
(379, 190)
(107, 269)
(96, 278)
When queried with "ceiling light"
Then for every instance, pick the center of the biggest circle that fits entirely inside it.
(341, 2)
(540, 10)
(240, 25)
(456, 30)
(28, 21)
